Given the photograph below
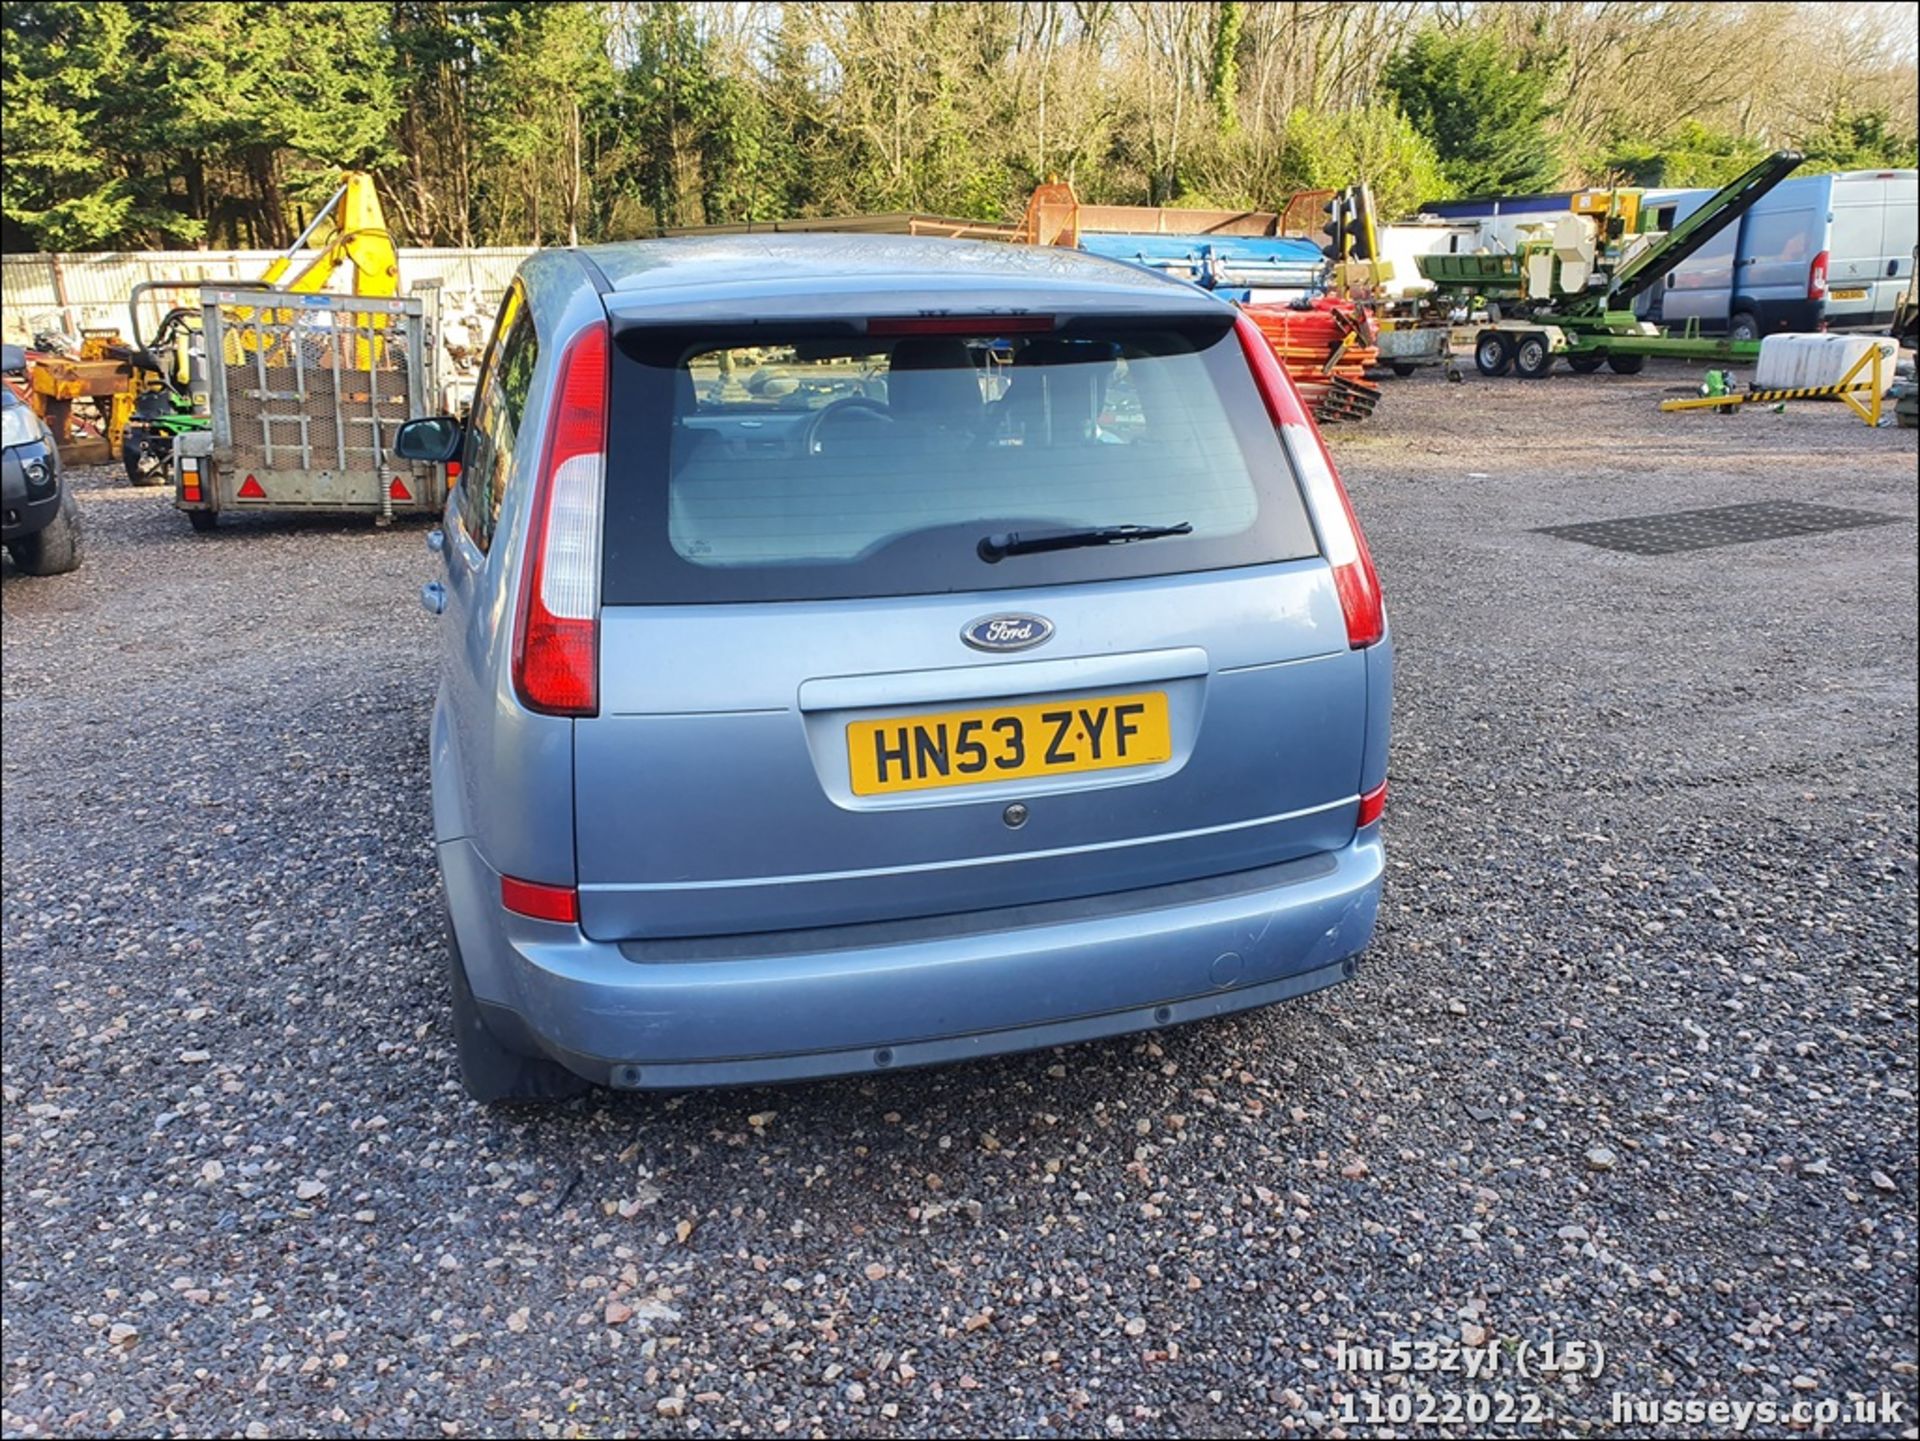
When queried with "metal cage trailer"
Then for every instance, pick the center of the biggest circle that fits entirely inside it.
(305, 394)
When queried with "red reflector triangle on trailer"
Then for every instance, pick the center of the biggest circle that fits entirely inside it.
(250, 489)
(397, 491)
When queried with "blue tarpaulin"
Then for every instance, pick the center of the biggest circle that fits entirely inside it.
(1218, 260)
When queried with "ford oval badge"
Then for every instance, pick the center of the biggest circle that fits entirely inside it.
(1007, 632)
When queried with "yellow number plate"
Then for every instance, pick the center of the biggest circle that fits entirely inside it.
(1849, 295)
(1004, 743)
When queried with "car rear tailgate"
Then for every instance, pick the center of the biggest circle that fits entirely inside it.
(713, 790)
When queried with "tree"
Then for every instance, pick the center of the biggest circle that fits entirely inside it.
(436, 61)
(1061, 106)
(1484, 109)
(1693, 156)
(282, 97)
(1859, 140)
(140, 123)
(670, 101)
(798, 133)
(1375, 144)
(914, 105)
(1172, 75)
(543, 81)
(73, 116)
(1223, 75)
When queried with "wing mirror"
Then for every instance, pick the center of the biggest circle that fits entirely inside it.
(435, 439)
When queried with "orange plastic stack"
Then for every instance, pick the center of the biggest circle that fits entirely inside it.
(1326, 346)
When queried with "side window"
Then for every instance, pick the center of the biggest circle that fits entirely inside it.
(517, 357)
(1779, 235)
(499, 404)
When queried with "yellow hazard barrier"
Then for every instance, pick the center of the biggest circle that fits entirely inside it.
(1863, 395)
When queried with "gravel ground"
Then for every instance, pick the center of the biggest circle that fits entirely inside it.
(1631, 1062)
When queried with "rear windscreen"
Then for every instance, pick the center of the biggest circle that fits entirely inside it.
(826, 465)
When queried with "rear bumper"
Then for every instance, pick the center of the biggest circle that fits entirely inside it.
(1797, 316)
(796, 1005)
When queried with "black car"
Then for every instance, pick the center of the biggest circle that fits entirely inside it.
(42, 530)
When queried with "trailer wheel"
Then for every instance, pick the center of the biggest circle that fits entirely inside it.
(203, 521)
(1626, 364)
(1533, 357)
(1493, 353)
(1402, 369)
(1585, 364)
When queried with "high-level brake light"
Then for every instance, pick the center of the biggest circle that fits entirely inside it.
(957, 324)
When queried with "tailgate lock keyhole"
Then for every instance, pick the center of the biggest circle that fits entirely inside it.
(1014, 815)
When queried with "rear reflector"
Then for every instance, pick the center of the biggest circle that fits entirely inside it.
(1373, 805)
(397, 491)
(251, 489)
(957, 324)
(1341, 539)
(542, 903)
(556, 648)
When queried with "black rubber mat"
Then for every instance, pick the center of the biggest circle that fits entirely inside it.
(1718, 525)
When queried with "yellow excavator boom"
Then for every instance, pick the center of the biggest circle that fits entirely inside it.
(349, 229)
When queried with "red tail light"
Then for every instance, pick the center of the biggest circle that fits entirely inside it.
(1340, 536)
(542, 902)
(1817, 277)
(1373, 805)
(556, 648)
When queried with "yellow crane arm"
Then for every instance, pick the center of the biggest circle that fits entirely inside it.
(349, 229)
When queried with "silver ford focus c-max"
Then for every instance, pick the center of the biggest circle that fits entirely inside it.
(865, 652)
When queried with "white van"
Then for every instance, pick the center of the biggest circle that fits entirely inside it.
(1816, 252)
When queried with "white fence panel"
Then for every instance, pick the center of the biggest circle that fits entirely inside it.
(78, 291)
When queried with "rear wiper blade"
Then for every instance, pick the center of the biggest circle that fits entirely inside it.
(995, 547)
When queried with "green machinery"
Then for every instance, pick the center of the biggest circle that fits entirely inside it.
(1570, 291)
(172, 399)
